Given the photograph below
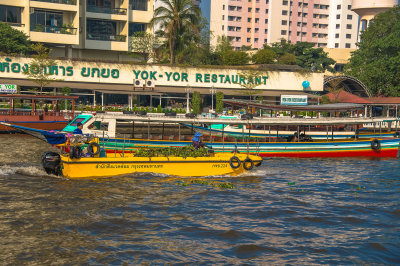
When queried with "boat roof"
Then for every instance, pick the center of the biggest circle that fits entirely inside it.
(333, 107)
(181, 119)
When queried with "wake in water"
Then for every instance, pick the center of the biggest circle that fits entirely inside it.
(25, 170)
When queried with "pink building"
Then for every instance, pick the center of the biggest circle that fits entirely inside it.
(255, 22)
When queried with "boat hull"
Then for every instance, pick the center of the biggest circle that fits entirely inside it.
(388, 147)
(43, 125)
(176, 166)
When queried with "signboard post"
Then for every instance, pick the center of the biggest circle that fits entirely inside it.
(8, 88)
(294, 100)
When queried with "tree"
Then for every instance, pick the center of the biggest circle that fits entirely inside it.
(196, 102)
(13, 41)
(38, 71)
(227, 56)
(176, 16)
(143, 45)
(287, 59)
(235, 58)
(219, 106)
(264, 56)
(249, 87)
(377, 61)
(307, 57)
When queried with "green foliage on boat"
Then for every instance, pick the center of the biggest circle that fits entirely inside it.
(184, 152)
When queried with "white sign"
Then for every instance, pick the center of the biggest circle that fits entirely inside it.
(8, 88)
(293, 99)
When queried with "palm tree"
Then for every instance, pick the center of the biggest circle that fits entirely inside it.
(176, 16)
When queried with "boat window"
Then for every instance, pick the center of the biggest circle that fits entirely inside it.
(98, 125)
(76, 121)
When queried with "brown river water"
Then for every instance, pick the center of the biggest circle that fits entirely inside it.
(288, 211)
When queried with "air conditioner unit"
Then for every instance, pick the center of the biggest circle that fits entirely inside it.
(150, 84)
(138, 83)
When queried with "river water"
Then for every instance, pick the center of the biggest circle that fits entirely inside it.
(292, 211)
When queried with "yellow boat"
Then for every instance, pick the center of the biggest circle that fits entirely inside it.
(215, 164)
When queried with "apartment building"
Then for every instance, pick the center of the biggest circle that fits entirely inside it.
(255, 22)
(80, 28)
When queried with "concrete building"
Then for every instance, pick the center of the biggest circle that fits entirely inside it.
(368, 9)
(79, 28)
(326, 23)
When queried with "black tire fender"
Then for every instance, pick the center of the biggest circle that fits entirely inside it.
(91, 147)
(234, 162)
(396, 134)
(375, 144)
(246, 162)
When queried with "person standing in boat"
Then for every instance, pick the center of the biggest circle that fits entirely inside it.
(78, 129)
(196, 141)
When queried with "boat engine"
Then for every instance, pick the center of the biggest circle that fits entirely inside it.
(51, 162)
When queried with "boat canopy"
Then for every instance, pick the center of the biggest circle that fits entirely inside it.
(333, 107)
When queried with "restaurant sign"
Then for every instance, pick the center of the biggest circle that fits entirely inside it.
(293, 99)
(8, 88)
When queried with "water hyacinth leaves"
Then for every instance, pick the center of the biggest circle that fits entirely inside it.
(184, 152)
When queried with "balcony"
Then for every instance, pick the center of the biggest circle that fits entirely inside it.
(65, 2)
(106, 37)
(13, 24)
(53, 29)
(106, 10)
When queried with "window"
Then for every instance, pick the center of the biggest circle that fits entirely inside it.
(347, 45)
(249, 9)
(138, 5)
(348, 26)
(266, 31)
(248, 39)
(284, 22)
(336, 45)
(266, 11)
(223, 27)
(256, 40)
(339, 7)
(338, 16)
(348, 36)
(349, 16)
(284, 2)
(257, 10)
(284, 12)
(102, 30)
(257, 20)
(248, 19)
(223, 17)
(136, 27)
(46, 20)
(337, 26)
(248, 29)
(349, 7)
(10, 14)
(283, 32)
(266, 21)
(223, 7)
(256, 30)
(337, 35)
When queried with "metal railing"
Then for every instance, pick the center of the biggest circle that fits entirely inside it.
(15, 24)
(105, 37)
(65, 2)
(106, 10)
(53, 29)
